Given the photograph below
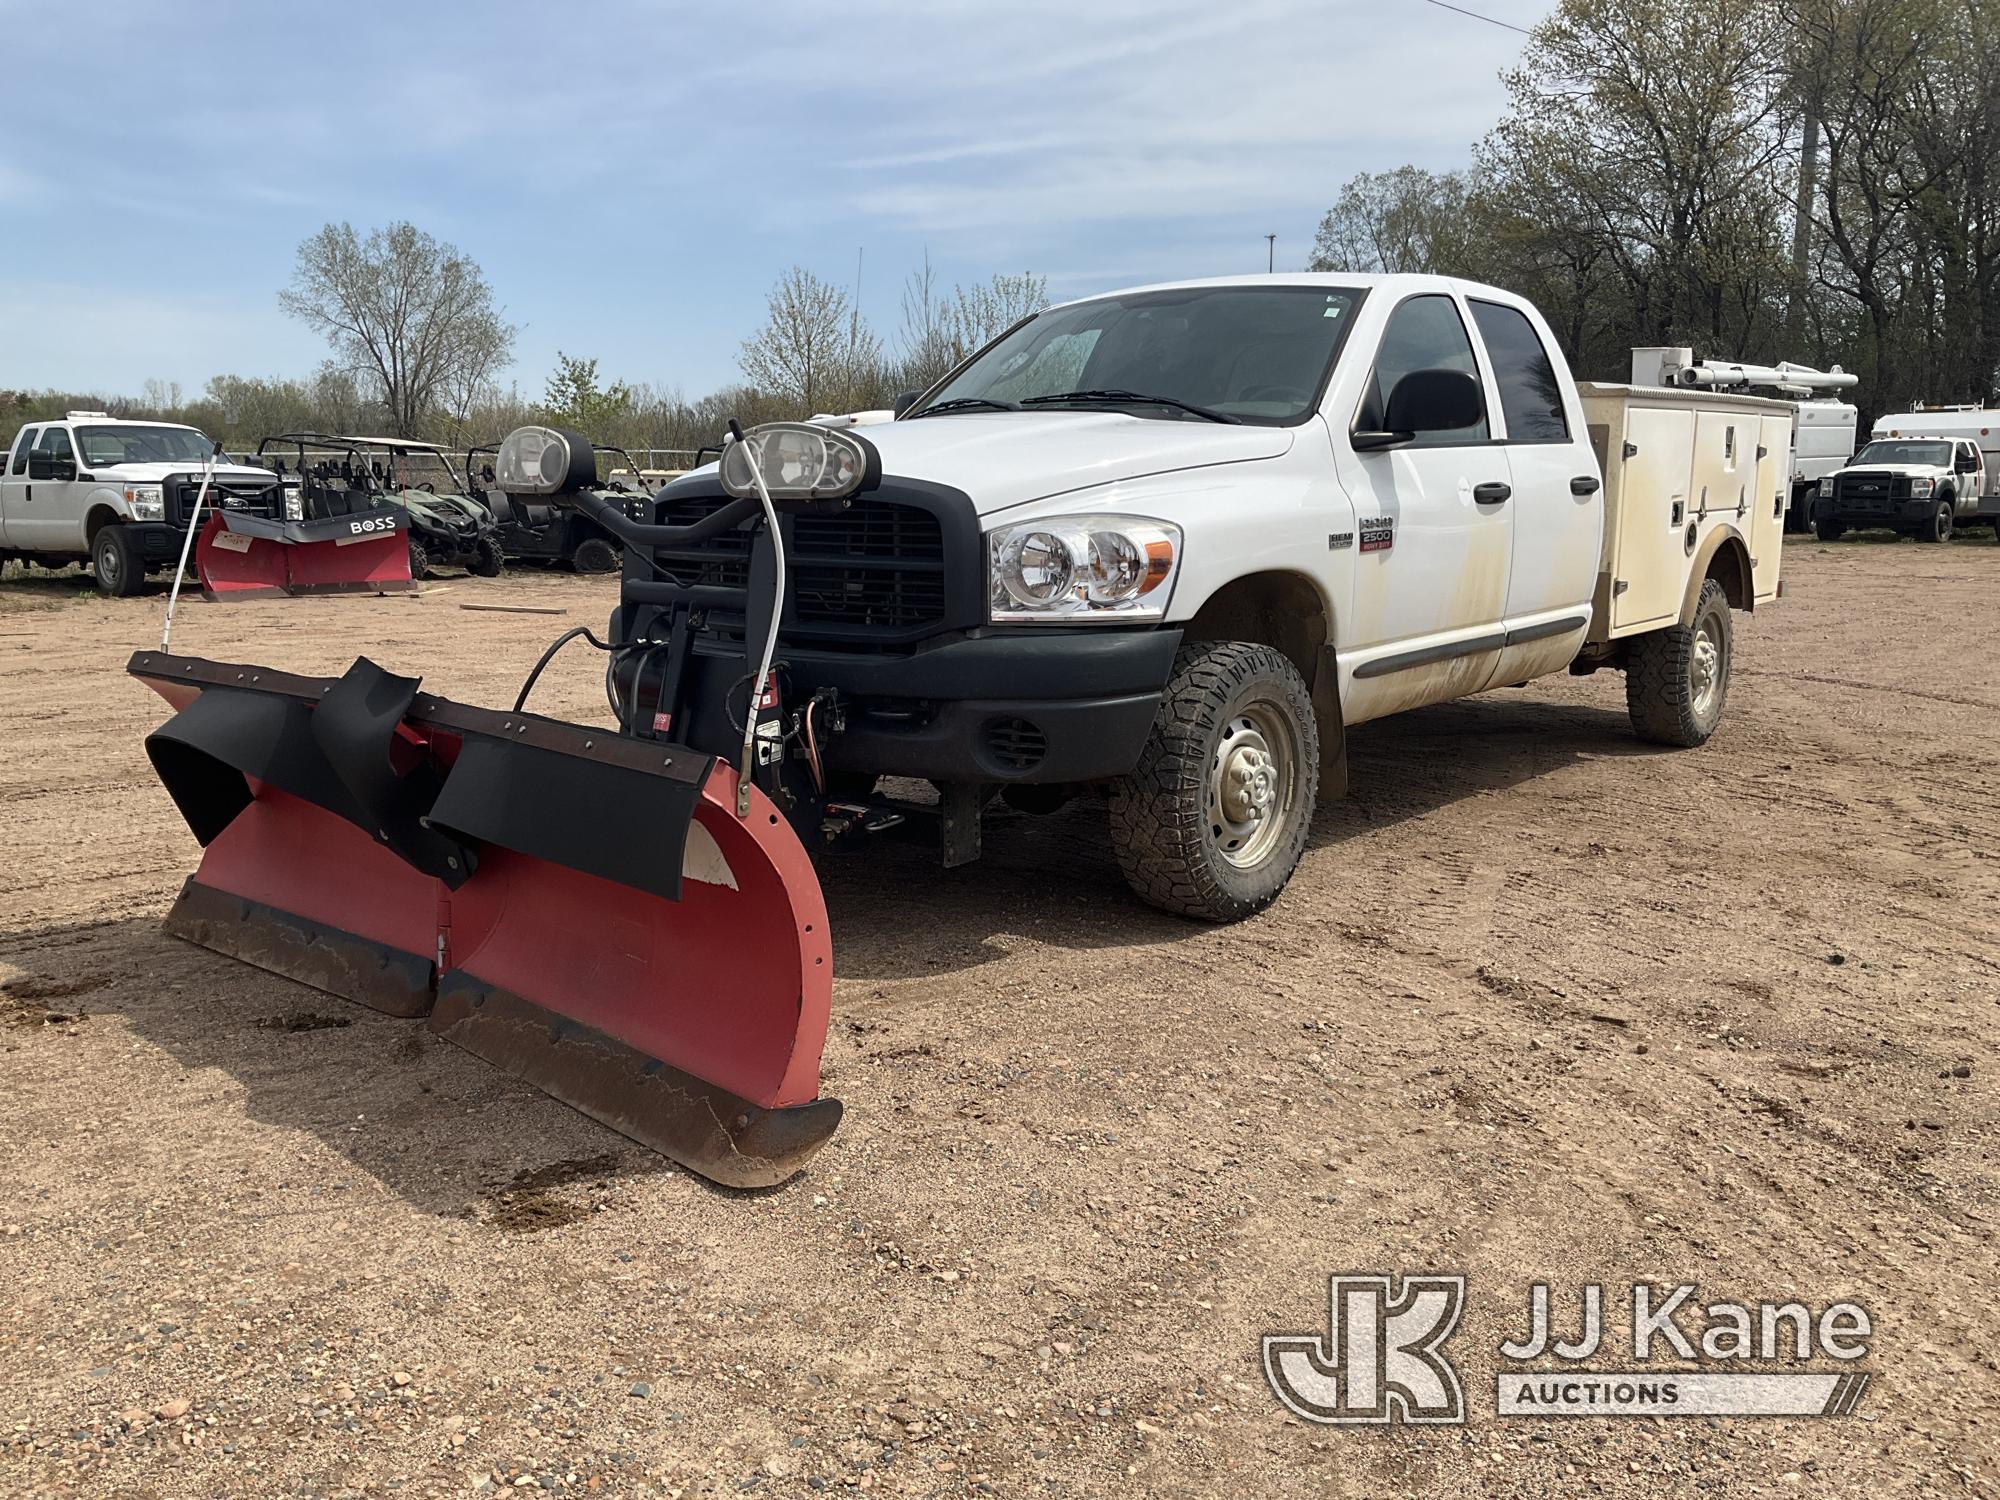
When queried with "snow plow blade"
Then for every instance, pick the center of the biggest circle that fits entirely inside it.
(581, 908)
(239, 556)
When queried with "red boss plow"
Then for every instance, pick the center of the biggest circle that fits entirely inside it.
(243, 556)
(582, 908)
(626, 917)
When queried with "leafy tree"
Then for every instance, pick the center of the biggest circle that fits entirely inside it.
(573, 398)
(1404, 220)
(411, 314)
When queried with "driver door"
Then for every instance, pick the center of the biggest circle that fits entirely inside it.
(1434, 532)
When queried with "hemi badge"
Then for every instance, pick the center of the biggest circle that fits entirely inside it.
(1338, 540)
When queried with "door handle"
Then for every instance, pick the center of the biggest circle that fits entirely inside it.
(1583, 484)
(1492, 492)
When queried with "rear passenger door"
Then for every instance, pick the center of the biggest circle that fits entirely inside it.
(14, 488)
(1558, 501)
(1433, 535)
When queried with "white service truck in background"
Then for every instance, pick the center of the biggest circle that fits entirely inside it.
(1823, 427)
(1923, 486)
(115, 494)
(1172, 543)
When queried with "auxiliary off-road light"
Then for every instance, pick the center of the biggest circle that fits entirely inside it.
(543, 461)
(1075, 569)
(800, 461)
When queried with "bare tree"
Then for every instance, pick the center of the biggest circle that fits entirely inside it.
(413, 315)
(939, 330)
(812, 350)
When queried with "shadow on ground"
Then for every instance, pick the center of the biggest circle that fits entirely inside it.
(896, 914)
(446, 1131)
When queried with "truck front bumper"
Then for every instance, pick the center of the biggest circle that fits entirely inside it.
(158, 542)
(1896, 513)
(1023, 706)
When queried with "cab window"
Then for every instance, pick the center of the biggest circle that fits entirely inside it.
(1530, 394)
(1424, 333)
(22, 445)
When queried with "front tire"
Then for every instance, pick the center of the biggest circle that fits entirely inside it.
(119, 569)
(1212, 821)
(487, 563)
(1828, 531)
(1938, 528)
(1677, 679)
(419, 559)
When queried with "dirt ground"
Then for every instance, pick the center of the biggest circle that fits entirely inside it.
(1542, 1004)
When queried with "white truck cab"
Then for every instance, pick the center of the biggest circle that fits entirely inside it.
(1171, 543)
(116, 493)
(1924, 485)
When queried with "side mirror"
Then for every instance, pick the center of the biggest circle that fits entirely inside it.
(41, 465)
(1435, 401)
(1967, 464)
(905, 400)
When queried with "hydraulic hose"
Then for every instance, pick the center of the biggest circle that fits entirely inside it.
(187, 543)
(757, 683)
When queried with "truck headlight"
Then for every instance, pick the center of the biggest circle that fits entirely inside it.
(1826, 485)
(145, 502)
(1922, 487)
(1074, 569)
(800, 461)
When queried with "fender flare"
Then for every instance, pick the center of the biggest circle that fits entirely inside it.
(99, 512)
(1727, 545)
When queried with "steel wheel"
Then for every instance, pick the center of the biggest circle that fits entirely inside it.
(1252, 784)
(1707, 666)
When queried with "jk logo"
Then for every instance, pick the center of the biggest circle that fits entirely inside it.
(1381, 1360)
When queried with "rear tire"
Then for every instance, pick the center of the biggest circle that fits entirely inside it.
(1677, 679)
(488, 562)
(1212, 821)
(1938, 528)
(594, 555)
(1828, 531)
(120, 571)
(419, 560)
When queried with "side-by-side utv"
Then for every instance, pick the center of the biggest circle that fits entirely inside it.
(447, 527)
(551, 527)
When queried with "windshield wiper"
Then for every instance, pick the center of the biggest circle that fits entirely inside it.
(966, 403)
(1129, 398)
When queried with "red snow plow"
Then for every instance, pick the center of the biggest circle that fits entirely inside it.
(625, 917)
(584, 909)
(360, 551)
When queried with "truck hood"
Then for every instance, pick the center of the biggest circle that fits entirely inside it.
(154, 473)
(1901, 471)
(1003, 459)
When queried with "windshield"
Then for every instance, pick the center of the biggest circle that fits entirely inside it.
(136, 444)
(1937, 454)
(1255, 353)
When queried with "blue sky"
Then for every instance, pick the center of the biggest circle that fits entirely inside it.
(633, 177)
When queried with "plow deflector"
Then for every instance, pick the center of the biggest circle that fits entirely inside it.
(581, 908)
(239, 556)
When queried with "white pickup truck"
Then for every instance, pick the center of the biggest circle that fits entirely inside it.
(1172, 543)
(116, 494)
(1924, 486)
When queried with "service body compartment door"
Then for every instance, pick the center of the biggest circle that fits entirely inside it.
(1649, 563)
(1768, 499)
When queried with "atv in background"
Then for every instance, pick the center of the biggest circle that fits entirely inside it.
(550, 527)
(330, 474)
